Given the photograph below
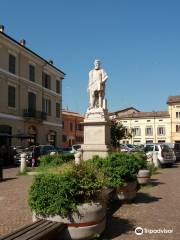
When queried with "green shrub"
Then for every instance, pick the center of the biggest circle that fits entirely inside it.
(152, 168)
(55, 160)
(52, 194)
(119, 168)
(140, 160)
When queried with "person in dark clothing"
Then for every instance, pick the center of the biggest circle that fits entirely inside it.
(35, 155)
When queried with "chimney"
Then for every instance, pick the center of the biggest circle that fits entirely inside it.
(23, 42)
(2, 28)
(51, 62)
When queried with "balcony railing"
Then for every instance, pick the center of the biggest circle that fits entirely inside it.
(31, 113)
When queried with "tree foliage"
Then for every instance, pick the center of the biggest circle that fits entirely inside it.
(118, 132)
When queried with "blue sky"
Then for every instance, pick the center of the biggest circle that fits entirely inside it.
(138, 42)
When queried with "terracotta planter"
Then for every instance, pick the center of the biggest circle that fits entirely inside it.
(143, 176)
(128, 192)
(86, 223)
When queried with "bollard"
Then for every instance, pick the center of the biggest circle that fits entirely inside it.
(23, 163)
(155, 159)
(78, 157)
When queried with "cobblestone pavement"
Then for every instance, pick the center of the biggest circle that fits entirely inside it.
(156, 207)
(14, 210)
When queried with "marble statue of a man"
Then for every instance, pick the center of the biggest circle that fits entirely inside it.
(97, 80)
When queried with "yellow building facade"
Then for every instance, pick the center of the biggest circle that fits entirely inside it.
(30, 96)
(151, 127)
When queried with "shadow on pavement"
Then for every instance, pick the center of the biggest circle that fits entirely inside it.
(113, 206)
(116, 226)
(7, 179)
(155, 182)
(145, 198)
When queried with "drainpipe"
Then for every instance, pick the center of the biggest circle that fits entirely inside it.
(155, 127)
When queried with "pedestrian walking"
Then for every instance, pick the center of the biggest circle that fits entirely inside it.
(35, 155)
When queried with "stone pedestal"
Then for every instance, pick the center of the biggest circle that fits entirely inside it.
(96, 134)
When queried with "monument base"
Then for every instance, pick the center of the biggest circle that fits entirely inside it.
(97, 139)
(91, 150)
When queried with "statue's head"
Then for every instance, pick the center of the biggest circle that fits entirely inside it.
(97, 64)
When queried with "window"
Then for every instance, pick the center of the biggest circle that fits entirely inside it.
(47, 106)
(177, 128)
(71, 126)
(62, 124)
(136, 131)
(64, 137)
(57, 86)
(31, 101)
(136, 121)
(57, 110)
(32, 73)
(148, 120)
(11, 96)
(12, 64)
(177, 114)
(79, 127)
(149, 141)
(160, 120)
(46, 80)
(161, 130)
(148, 131)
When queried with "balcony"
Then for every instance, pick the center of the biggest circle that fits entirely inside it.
(33, 114)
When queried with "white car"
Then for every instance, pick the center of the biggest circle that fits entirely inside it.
(75, 148)
(164, 154)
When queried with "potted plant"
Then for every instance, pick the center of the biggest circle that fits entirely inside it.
(120, 173)
(143, 175)
(73, 198)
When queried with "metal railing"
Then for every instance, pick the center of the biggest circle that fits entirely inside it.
(31, 113)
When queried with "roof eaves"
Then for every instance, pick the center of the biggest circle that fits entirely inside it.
(29, 50)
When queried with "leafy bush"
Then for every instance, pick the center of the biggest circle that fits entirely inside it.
(52, 194)
(140, 159)
(55, 160)
(152, 168)
(119, 168)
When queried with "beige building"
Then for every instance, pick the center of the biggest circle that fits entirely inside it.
(30, 95)
(151, 127)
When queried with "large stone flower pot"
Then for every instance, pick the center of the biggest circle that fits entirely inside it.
(86, 223)
(143, 176)
(128, 192)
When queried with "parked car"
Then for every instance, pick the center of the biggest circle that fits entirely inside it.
(75, 148)
(165, 155)
(17, 155)
(176, 149)
(67, 149)
(44, 150)
(127, 147)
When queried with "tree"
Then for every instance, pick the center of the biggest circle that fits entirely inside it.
(118, 132)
